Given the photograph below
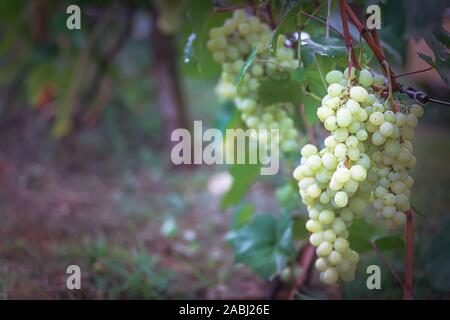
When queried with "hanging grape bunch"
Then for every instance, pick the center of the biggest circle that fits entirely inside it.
(366, 158)
(231, 45)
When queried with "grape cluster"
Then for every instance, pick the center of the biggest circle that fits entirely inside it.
(366, 156)
(231, 45)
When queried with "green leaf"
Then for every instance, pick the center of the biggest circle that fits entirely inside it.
(298, 75)
(310, 106)
(202, 17)
(243, 174)
(437, 270)
(332, 47)
(388, 243)
(299, 231)
(265, 244)
(360, 233)
(244, 69)
(279, 90)
(441, 66)
(243, 177)
(288, 24)
(243, 216)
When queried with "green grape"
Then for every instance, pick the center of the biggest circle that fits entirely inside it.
(365, 78)
(334, 76)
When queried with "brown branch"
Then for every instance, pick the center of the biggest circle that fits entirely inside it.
(305, 260)
(413, 72)
(374, 46)
(269, 10)
(348, 40)
(409, 256)
(386, 262)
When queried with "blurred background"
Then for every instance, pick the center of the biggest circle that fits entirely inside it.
(85, 170)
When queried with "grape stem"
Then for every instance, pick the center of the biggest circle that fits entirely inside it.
(352, 60)
(413, 72)
(373, 43)
(269, 10)
(305, 261)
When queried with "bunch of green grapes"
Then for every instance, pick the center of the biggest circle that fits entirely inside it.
(231, 45)
(366, 155)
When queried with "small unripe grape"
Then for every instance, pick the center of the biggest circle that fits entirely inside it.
(342, 175)
(346, 214)
(386, 129)
(330, 142)
(341, 245)
(334, 76)
(417, 110)
(314, 162)
(389, 199)
(313, 191)
(308, 150)
(326, 216)
(378, 80)
(365, 78)
(324, 112)
(257, 70)
(335, 89)
(340, 151)
(330, 276)
(389, 212)
(362, 135)
(335, 258)
(378, 139)
(358, 93)
(324, 249)
(344, 117)
(376, 118)
(321, 264)
(316, 238)
(358, 172)
(352, 142)
(357, 205)
(313, 226)
(411, 120)
(329, 235)
(341, 199)
(338, 225)
(329, 161)
(331, 123)
(340, 134)
(351, 186)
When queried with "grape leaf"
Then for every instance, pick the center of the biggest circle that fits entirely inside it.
(298, 75)
(360, 233)
(441, 66)
(242, 216)
(279, 90)
(243, 177)
(288, 24)
(265, 244)
(325, 47)
(388, 243)
(202, 17)
(244, 69)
